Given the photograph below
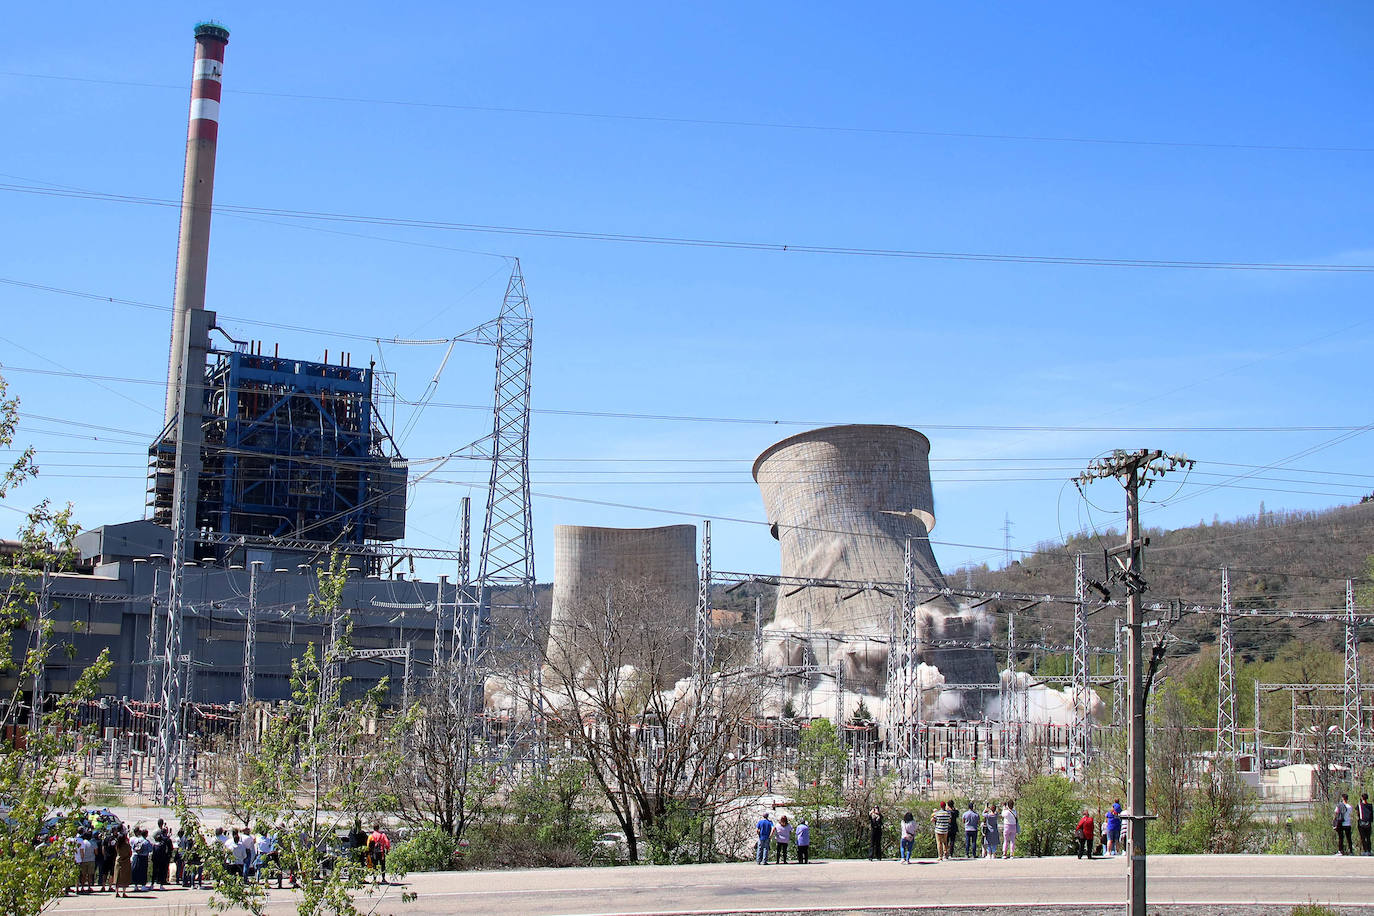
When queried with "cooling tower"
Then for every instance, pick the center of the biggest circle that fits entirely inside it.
(652, 571)
(842, 502)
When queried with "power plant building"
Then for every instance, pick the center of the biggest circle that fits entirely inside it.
(283, 462)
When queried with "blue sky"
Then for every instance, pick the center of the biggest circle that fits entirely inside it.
(708, 332)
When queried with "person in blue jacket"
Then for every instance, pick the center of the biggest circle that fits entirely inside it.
(765, 826)
(1114, 829)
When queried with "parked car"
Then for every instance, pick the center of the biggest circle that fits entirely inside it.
(612, 847)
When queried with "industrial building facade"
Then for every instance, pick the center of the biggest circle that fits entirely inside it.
(124, 582)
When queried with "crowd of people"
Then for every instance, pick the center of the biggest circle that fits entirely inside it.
(112, 857)
(987, 834)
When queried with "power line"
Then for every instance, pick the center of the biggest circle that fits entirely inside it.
(767, 421)
(755, 124)
(717, 243)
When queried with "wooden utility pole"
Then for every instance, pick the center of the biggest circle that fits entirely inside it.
(1134, 469)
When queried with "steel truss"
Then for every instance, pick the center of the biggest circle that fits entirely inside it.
(1226, 676)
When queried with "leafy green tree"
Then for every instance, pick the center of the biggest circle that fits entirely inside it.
(311, 771)
(821, 761)
(35, 780)
(552, 810)
(1047, 808)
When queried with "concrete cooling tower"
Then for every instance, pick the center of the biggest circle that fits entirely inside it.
(655, 568)
(842, 502)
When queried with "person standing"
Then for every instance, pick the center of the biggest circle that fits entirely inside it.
(161, 858)
(143, 851)
(1114, 829)
(782, 835)
(803, 842)
(908, 837)
(104, 859)
(970, 819)
(942, 819)
(875, 833)
(378, 845)
(1010, 827)
(238, 848)
(269, 855)
(123, 871)
(1344, 845)
(183, 857)
(765, 831)
(991, 839)
(1364, 820)
(1085, 834)
(85, 862)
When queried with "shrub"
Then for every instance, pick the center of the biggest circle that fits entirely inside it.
(1047, 810)
(1312, 909)
(431, 849)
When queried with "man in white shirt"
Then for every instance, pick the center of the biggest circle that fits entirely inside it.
(85, 862)
(1344, 844)
(246, 852)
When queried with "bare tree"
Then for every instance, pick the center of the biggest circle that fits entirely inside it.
(444, 781)
(1172, 758)
(661, 750)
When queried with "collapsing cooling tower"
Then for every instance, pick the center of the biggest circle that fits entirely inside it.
(645, 570)
(842, 502)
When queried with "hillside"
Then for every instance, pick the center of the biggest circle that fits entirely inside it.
(1280, 560)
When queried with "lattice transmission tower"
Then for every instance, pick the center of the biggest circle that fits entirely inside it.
(1350, 721)
(1226, 676)
(701, 633)
(505, 577)
(903, 690)
(1080, 732)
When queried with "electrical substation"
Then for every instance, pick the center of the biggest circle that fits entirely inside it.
(269, 464)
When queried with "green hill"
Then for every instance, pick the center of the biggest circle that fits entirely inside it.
(1283, 560)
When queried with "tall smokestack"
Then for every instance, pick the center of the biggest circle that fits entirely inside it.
(197, 196)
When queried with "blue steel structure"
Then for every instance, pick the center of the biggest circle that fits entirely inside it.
(292, 449)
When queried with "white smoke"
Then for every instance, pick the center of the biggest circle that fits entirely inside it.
(1044, 705)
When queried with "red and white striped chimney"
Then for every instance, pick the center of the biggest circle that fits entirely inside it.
(197, 196)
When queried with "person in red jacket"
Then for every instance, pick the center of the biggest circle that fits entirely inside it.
(378, 845)
(1085, 835)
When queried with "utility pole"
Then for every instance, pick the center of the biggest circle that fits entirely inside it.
(1134, 469)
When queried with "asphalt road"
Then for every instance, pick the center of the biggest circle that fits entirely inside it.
(1041, 884)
